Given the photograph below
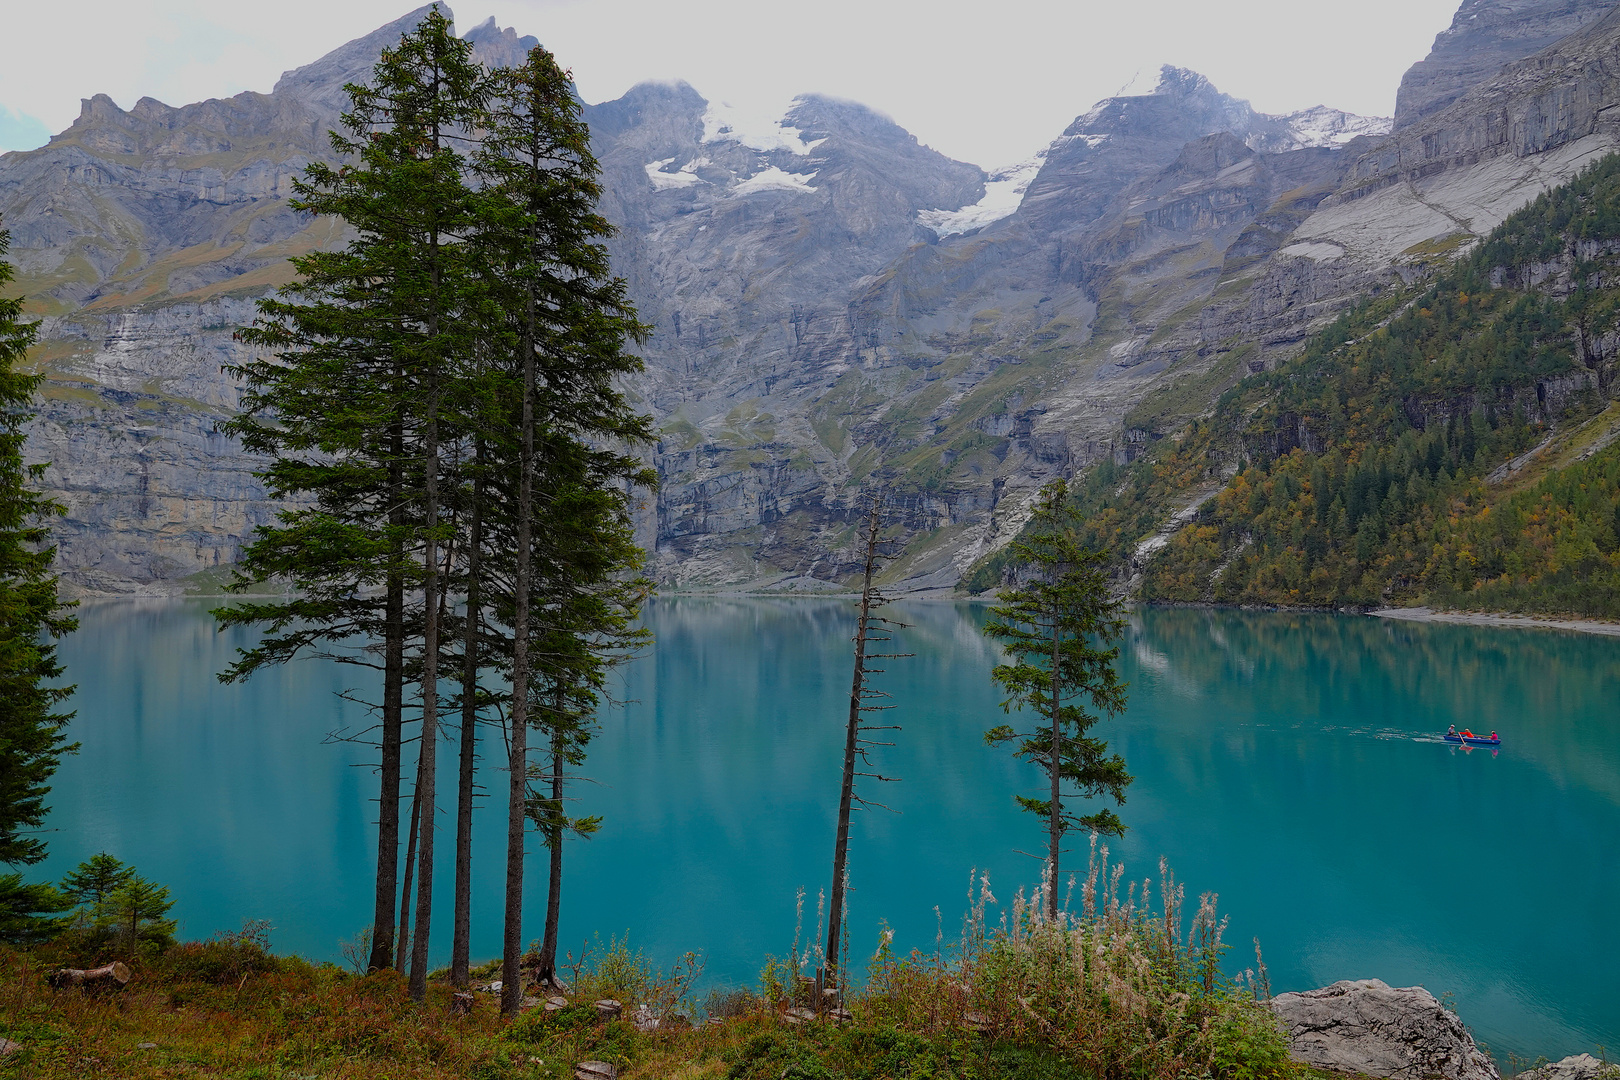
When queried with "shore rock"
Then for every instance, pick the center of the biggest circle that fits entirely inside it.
(1367, 1026)
(1578, 1067)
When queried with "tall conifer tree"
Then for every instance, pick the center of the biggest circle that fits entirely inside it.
(365, 395)
(1059, 627)
(32, 619)
(567, 600)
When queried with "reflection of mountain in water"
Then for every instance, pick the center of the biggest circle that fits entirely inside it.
(1260, 745)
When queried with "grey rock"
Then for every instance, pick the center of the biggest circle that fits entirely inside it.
(1578, 1067)
(811, 338)
(1366, 1026)
(1483, 36)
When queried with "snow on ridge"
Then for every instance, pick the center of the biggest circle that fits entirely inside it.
(757, 130)
(683, 177)
(1322, 126)
(774, 179)
(1003, 192)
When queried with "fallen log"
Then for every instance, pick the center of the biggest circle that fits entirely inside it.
(115, 974)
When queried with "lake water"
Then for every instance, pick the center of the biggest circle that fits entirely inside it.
(1287, 762)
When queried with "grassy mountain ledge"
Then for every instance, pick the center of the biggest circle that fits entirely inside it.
(1451, 444)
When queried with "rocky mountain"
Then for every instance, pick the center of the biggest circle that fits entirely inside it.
(143, 237)
(1483, 36)
(835, 305)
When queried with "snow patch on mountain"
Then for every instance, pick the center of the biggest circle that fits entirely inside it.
(774, 179)
(684, 177)
(1322, 126)
(755, 129)
(1003, 192)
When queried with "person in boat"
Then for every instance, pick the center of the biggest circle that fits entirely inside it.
(1452, 730)
(1493, 736)
(1467, 734)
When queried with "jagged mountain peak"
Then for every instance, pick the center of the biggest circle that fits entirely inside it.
(1182, 102)
(497, 46)
(1483, 36)
(321, 83)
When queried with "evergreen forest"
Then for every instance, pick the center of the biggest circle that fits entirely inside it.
(1451, 444)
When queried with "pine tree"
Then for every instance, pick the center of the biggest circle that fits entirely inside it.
(570, 594)
(1058, 627)
(31, 912)
(365, 391)
(32, 619)
(96, 879)
(136, 911)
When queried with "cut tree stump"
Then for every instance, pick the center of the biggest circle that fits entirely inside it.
(461, 1003)
(115, 974)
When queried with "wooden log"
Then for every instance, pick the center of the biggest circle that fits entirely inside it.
(461, 1003)
(115, 974)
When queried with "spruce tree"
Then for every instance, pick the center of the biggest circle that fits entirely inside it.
(94, 880)
(357, 407)
(569, 593)
(1058, 627)
(32, 620)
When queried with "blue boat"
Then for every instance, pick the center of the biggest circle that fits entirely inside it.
(1474, 740)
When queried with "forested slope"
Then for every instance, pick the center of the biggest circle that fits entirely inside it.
(1449, 444)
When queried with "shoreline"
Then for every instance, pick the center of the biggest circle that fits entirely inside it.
(1496, 619)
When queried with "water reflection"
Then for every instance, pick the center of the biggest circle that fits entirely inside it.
(1289, 762)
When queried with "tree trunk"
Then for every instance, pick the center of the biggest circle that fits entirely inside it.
(115, 974)
(428, 760)
(1057, 780)
(404, 937)
(517, 743)
(382, 920)
(460, 947)
(835, 908)
(548, 941)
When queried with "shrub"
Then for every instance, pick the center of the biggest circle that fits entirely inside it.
(1115, 987)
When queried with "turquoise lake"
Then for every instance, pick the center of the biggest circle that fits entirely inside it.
(1288, 762)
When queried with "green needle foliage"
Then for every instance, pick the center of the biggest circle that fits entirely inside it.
(116, 904)
(95, 879)
(137, 909)
(1374, 468)
(441, 404)
(1058, 627)
(32, 618)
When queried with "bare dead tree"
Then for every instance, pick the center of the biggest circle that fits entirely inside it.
(871, 631)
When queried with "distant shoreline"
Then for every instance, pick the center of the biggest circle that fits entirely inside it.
(1474, 618)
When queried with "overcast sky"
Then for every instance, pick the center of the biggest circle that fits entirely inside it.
(987, 82)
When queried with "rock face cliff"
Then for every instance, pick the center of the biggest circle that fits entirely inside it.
(1483, 36)
(143, 238)
(836, 307)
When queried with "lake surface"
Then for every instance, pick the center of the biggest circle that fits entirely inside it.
(1287, 762)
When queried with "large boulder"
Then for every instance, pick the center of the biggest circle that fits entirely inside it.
(1579, 1067)
(1367, 1026)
